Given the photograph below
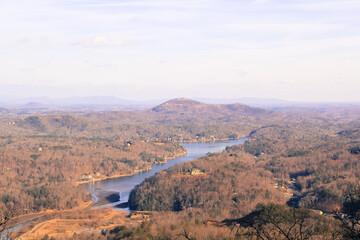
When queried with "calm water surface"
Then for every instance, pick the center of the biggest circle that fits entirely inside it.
(122, 186)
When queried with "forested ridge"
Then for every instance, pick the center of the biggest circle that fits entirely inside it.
(43, 156)
(228, 184)
(306, 159)
(324, 168)
(39, 173)
(282, 165)
(176, 120)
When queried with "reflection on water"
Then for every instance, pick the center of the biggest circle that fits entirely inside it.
(122, 186)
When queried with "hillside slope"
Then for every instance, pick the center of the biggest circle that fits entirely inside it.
(174, 120)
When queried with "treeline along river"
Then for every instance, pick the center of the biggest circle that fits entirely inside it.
(117, 190)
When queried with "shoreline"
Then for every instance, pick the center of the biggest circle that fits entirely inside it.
(27, 218)
(210, 140)
(166, 160)
(134, 171)
(91, 203)
(46, 211)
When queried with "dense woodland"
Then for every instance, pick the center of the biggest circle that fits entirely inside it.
(323, 167)
(43, 156)
(308, 166)
(228, 185)
(177, 120)
(39, 173)
(299, 167)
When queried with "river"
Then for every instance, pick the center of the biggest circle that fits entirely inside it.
(117, 190)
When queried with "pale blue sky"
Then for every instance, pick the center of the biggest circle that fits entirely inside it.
(307, 50)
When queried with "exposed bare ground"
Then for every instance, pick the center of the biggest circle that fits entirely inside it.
(64, 224)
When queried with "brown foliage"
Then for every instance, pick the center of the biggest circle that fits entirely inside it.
(40, 173)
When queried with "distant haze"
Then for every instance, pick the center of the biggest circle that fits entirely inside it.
(106, 103)
(301, 50)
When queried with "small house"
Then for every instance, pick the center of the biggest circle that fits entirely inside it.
(86, 177)
(195, 171)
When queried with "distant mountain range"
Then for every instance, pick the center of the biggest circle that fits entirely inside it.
(259, 102)
(179, 119)
(95, 103)
(188, 106)
(94, 100)
(105, 100)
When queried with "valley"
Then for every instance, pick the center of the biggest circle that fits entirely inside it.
(49, 160)
(180, 120)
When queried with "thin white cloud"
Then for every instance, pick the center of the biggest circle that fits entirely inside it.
(139, 3)
(280, 45)
(260, 1)
(325, 5)
(102, 41)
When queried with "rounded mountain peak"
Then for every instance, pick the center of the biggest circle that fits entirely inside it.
(178, 105)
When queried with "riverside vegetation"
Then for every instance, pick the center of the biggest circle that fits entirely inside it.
(302, 158)
(43, 156)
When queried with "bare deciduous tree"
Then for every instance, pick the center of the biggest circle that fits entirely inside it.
(350, 221)
(7, 213)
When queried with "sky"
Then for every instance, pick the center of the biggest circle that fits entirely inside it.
(297, 50)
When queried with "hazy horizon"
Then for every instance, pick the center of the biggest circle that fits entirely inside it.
(301, 50)
(115, 101)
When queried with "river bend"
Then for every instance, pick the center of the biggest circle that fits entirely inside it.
(117, 190)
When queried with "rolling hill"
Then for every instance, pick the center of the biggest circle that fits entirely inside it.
(175, 120)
